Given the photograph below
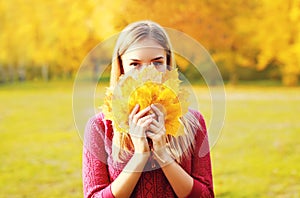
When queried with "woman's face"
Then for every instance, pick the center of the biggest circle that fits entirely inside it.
(143, 53)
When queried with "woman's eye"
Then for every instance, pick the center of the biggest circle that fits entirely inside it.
(134, 64)
(157, 63)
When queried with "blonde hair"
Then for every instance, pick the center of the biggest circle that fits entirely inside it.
(135, 32)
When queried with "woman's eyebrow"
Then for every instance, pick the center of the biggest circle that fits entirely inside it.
(154, 59)
(133, 59)
(157, 58)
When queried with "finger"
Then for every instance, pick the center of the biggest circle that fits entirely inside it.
(134, 111)
(141, 113)
(157, 130)
(159, 114)
(147, 119)
(143, 119)
(156, 123)
(145, 125)
(140, 130)
(156, 110)
(150, 134)
(153, 128)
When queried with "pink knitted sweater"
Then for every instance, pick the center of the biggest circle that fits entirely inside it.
(99, 170)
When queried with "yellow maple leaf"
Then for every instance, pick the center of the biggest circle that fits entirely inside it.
(147, 87)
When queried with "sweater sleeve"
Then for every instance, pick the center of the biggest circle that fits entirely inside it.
(201, 163)
(95, 175)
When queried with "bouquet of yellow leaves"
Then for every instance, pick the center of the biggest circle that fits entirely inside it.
(146, 87)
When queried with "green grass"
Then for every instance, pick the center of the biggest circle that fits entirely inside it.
(257, 154)
(40, 149)
(258, 151)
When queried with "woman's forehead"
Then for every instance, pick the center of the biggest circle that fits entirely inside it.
(144, 49)
(144, 43)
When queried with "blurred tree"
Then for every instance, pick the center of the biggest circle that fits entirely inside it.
(52, 36)
(44, 39)
(278, 37)
(217, 25)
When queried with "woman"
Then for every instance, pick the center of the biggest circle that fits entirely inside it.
(145, 162)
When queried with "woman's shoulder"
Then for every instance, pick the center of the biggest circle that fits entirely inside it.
(198, 115)
(97, 136)
(198, 123)
(201, 135)
(99, 124)
(99, 120)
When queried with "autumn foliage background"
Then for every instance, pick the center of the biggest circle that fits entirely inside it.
(248, 39)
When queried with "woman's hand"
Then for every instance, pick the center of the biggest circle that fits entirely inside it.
(157, 133)
(157, 130)
(138, 125)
